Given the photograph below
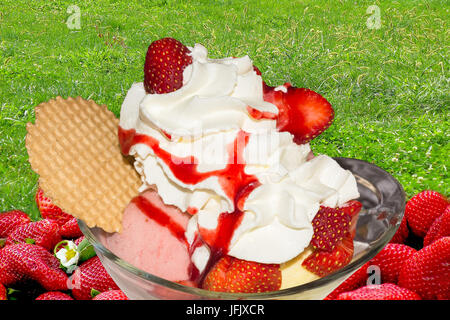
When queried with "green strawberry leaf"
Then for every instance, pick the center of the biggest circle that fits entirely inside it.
(30, 241)
(86, 250)
(94, 292)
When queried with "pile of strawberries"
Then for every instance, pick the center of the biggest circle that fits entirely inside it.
(29, 267)
(415, 264)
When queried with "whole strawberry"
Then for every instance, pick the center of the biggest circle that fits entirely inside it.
(422, 209)
(164, 64)
(390, 261)
(44, 233)
(3, 295)
(91, 275)
(70, 229)
(427, 271)
(231, 274)
(111, 295)
(49, 210)
(10, 220)
(22, 262)
(54, 295)
(386, 291)
(440, 228)
(357, 280)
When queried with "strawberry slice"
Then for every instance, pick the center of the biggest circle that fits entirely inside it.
(164, 64)
(49, 210)
(332, 224)
(21, 262)
(302, 112)
(322, 262)
(231, 274)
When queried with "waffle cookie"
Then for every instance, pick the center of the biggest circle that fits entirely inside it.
(74, 148)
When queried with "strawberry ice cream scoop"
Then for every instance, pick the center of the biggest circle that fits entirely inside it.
(152, 238)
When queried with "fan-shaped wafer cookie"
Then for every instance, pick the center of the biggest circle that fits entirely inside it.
(74, 148)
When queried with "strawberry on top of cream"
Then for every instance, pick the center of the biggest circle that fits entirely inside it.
(205, 153)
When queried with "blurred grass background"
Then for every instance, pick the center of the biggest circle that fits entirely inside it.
(388, 86)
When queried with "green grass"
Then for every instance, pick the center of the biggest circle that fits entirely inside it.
(389, 86)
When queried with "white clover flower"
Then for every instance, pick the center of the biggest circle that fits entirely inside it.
(69, 254)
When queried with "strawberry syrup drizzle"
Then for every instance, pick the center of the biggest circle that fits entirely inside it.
(232, 178)
(236, 184)
(159, 216)
(258, 115)
(219, 239)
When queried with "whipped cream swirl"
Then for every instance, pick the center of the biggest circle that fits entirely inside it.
(201, 121)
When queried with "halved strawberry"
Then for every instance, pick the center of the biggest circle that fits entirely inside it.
(49, 210)
(231, 274)
(332, 224)
(164, 64)
(322, 262)
(302, 112)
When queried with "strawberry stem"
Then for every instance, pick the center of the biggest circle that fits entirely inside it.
(94, 292)
(56, 248)
(30, 241)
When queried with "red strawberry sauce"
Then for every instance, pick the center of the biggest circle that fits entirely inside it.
(236, 184)
(160, 217)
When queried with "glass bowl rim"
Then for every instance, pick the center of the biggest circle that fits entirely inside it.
(203, 293)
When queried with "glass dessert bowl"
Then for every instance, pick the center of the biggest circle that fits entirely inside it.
(383, 202)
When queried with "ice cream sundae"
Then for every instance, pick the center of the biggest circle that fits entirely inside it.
(232, 198)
